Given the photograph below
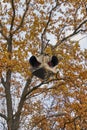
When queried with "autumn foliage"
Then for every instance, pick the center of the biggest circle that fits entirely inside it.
(35, 27)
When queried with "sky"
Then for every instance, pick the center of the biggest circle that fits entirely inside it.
(82, 40)
(83, 43)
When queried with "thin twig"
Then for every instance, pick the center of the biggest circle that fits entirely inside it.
(34, 88)
(13, 17)
(76, 31)
(23, 17)
(45, 29)
(50, 116)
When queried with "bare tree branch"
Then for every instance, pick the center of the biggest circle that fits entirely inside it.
(81, 24)
(76, 31)
(3, 82)
(34, 88)
(46, 89)
(60, 113)
(23, 97)
(50, 116)
(13, 17)
(3, 116)
(47, 24)
(76, 14)
(8, 94)
(75, 118)
(23, 17)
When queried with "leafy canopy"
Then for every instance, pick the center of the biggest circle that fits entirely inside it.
(32, 27)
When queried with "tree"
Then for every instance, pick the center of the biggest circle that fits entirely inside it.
(27, 27)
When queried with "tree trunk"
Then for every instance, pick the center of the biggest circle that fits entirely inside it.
(16, 123)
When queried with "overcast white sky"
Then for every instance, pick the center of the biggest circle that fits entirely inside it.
(82, 40)
(83, 43)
